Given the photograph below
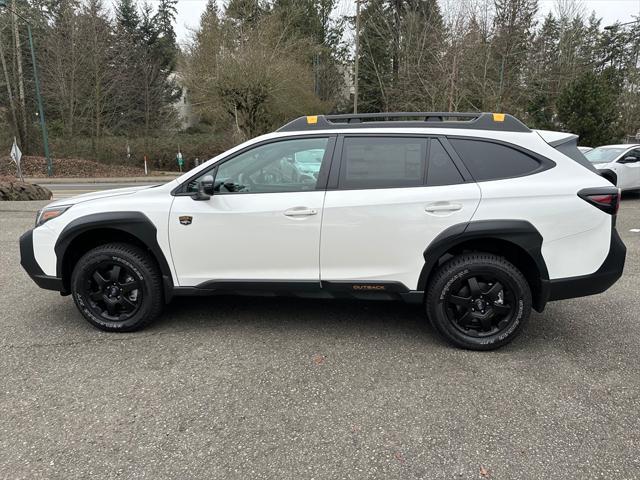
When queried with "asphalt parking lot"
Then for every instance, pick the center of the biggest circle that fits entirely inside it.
(298, 389)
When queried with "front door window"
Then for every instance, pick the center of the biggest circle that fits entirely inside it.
(286, 166)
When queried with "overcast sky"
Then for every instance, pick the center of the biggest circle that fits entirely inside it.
(610, 10)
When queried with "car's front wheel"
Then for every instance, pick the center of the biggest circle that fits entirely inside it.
(478, 301)
(117, 287)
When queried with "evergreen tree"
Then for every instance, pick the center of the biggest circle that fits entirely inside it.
(163, 22)
(246, 13)
(375, 62)
(202, 65)
(589, 46)
(541, 75)
(474, 84)
(209, 32)
(419, 75)
(311, 21)
(588, 108)
(301, 18)
(127, 16)
(513, 24)
(148, 31)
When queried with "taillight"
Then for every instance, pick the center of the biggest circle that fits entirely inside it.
(606, 199)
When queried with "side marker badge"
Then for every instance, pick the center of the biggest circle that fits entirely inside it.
(186, 219)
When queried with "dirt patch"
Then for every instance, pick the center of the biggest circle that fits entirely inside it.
(67, 167)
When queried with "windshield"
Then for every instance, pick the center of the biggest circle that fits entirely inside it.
(604, 155)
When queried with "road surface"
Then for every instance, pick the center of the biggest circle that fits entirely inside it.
(277, 388)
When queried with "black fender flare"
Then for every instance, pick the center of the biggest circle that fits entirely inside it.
(136, 224)
(518, 232)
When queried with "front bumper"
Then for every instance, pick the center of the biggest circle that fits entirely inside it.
(29, 263)
(608, 274)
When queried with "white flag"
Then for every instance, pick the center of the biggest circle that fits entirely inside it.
(16, 156)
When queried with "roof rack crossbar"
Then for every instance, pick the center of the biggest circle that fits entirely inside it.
(471, 120)
(345, 116)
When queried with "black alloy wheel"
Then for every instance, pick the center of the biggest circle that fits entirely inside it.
(478, 301)
(114, 292)
(117, 287)
(480, 305)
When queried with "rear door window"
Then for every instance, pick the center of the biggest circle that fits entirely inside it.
(382, 162)
(493, 161)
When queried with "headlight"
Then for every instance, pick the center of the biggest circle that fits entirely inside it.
(48, 213)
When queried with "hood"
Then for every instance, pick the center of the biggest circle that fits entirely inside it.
(85, 197)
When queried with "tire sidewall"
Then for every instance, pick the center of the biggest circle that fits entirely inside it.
(436, 307)
(87, 265)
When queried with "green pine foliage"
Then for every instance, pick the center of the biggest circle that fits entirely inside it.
(587, 106)
(376, 57)
(127, 16)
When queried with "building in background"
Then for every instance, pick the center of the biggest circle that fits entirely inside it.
(183, 107)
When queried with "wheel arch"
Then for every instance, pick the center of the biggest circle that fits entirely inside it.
(90, 231)
(516, 240)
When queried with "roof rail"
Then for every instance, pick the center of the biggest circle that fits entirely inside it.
(478, 121)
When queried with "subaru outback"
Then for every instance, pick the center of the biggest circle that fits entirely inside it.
(474, 216)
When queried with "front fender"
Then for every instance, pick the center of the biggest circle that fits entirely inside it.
(136, 224)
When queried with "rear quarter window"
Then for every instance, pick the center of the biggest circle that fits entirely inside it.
(493, 161)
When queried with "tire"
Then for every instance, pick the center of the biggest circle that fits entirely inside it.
(117, 287)
(478, 301)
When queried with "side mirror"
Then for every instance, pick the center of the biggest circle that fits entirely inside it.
(205, 188)
(629, 159)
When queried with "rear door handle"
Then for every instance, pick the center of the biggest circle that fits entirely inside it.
(300, 212)
(443, 207)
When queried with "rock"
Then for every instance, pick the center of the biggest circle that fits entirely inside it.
(16, 190)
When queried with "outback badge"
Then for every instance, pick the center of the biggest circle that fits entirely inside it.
(186, 219)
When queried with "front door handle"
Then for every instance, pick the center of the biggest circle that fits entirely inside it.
(300, 212)
(443, 207)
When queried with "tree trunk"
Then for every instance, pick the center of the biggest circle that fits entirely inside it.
(12, 105)
(23, 106)
(397, 6)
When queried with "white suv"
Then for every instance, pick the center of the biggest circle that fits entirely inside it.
(618, 163)
(475, 216)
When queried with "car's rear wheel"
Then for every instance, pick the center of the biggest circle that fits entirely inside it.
(117, 287)
(478, 301)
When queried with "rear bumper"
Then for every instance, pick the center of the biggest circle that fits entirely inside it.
(29, 263)
(608, 274)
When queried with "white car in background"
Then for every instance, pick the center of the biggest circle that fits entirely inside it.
(585, 149)
(623, 160)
